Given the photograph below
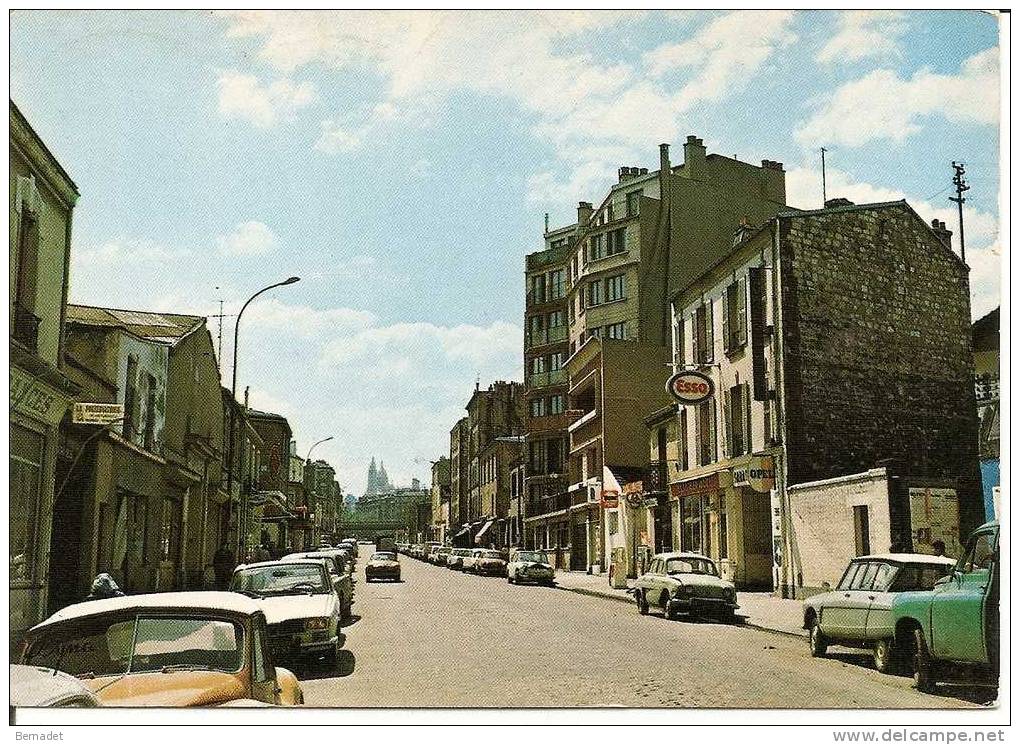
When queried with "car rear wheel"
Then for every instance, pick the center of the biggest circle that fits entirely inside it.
(924, 678)
(884, 657)
(819, 644)
(642, 602)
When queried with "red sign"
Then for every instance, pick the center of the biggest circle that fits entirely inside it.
(704, 485)
(690, 387)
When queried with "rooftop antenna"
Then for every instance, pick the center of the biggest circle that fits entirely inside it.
(825, 196)
(961, 186)
(546, 222)
(219, 334)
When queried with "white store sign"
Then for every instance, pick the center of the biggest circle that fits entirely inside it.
(96, 413)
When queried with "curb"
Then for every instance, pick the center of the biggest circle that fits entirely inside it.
(628, 601)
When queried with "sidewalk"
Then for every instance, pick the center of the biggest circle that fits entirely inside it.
(760, 610)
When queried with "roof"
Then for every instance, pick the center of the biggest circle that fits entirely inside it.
(256, 414)
(985, 331)
(682, 555)
(908, 558)
(842, 208)
(230, 602)
(166, 328)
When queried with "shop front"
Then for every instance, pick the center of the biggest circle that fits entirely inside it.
(724, 516)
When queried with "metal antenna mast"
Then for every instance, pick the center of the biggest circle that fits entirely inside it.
(824, 195)
(961, 186)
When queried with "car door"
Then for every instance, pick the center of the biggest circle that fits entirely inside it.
(846, 617)
(879, 623)
(263, 672)
(959, 604)
(655, 581)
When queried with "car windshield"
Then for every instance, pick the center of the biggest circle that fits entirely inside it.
(490, 555)
(281, 579)
(918, 577)
(383, 556)
(535, 556)
(691, 566)
(115, 646)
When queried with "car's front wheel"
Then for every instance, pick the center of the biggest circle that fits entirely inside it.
(668, 608)
(819, 644)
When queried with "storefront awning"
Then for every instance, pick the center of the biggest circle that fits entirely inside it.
(484, 530)
(463, 531)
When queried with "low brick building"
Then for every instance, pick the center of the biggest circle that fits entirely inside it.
(838, 341)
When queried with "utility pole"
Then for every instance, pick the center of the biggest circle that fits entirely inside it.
(961, 186)
(824, 195)
(219, 336)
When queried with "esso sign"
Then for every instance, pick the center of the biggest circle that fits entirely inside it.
(690, 387)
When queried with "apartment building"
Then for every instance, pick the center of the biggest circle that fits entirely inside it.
(829, 378)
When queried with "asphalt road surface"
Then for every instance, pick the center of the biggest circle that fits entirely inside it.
(442, 638)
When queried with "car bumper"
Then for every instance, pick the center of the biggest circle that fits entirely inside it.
(308, 642)
(538, 577)
(708, 606)
(493, 569)
(382, 574)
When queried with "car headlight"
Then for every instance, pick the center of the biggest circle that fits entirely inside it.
(316, 624)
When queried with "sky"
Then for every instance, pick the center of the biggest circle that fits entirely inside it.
(401, 164)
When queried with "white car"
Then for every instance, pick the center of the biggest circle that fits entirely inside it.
(44, 686)
(530, 566)
(467, 563)
(299, 601)
(455, 559)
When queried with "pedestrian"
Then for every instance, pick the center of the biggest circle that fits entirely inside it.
(262, 553)
(223, 565)
(939, 547)
(104, 586)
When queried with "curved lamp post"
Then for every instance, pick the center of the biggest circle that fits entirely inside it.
(309, 456)
(233, 395)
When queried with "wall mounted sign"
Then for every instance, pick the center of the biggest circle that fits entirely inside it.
(690, 387)
(96, 413)
(759, 474)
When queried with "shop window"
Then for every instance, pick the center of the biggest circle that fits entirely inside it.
(26, 459)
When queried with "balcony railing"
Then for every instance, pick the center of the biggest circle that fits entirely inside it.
(553, 377)
(545, 505)
(26, 327)
(586, 432)
(550, 295)
(545, 336)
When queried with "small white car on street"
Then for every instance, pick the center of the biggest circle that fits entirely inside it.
(300, 603)
(685, 583)
(530, 566)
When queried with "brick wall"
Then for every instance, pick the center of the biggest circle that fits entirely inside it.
(876, 331)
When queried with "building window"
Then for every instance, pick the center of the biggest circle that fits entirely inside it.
(556, 361)
(556, 319)
(597, 247)
(609, 210)
(862, 530)
(537, 365)
(594, 293)
(706, 433)
(556, 404)
(616, 241)
(682, 437)
(616, 330)
(538, 288)
(736, 424)
(556, 284)
(703, 337)
(538, 407)
(634, 203)
(580, 302)
(735, 316)
(614, 288)
(535, 323)
(130, 396)
(26, 459)
(150, 413)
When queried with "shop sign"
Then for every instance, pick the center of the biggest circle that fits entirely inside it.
(610, 503)
(690, 387)
(634, 487)
(35, 398)
(704, 485)
(759, 474)
(96, 413)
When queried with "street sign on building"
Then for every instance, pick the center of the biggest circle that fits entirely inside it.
(96, 413)
(690, 387)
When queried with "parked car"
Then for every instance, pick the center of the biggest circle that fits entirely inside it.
(956, 623)
(455, 559)
(468, 562)
(430, 551)
(858, 613)
(165, 649)
(351, 545)
(46, 687)
(489, 561)
(301, 606)
(339, 572)
(685, 583)
(382, 565)
(530, 566)
(439, 555)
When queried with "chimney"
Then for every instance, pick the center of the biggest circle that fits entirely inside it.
(246, 389)
(584, 211)
(838, 202)
(546, 222)
(664, 158)
(694, 157)
(946, 236)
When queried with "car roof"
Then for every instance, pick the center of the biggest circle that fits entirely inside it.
(202, 600)
(682, 555)
(902, 558)
(278, 562)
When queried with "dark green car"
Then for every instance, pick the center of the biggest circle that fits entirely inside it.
(957, 622)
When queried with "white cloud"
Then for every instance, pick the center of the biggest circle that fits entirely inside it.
(863, 34)
(250, 238)
(245, 97)
(126, 252)
(305, 321)
(882, 105)
(724, 54)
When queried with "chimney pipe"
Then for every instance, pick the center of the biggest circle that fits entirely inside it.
(664, 158)
(584, 210)
(946, 236)
(546, 222)
(246, 389)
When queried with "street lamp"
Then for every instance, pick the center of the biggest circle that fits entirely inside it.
(233, 397)
(308, 457)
